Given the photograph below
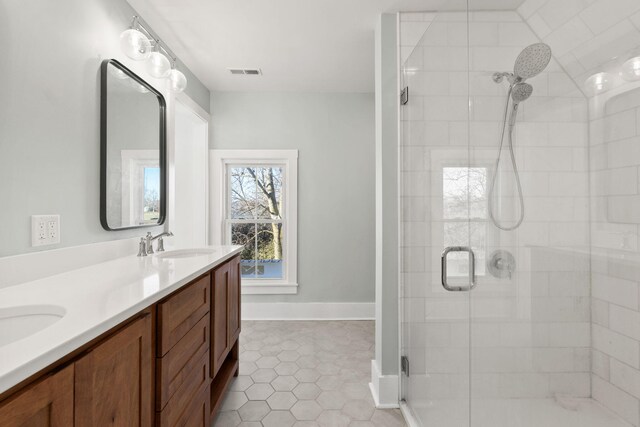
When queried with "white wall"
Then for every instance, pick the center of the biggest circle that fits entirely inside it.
(189, 220)
(49, 117)
(334, 133)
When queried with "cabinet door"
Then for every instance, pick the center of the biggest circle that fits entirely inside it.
(48, 403)
(234, 300)
(219, 324)
(113, 384)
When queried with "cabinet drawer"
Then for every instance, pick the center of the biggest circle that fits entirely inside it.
(174, 368)
(198, 415)
(193, 388)
(180, 312)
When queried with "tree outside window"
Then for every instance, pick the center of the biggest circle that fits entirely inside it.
(256, 219)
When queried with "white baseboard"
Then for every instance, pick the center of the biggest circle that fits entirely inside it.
(408, 416)
(308, 311)
(384, 388)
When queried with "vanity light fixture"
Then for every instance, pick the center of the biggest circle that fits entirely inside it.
(158, 64)
(631, 69)
(134, 43)
(138, 43)
(177, 80)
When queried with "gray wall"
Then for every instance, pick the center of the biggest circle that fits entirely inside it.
(334, 134)
(387, 195)
(49, 115)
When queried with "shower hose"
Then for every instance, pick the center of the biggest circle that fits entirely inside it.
(496, 221)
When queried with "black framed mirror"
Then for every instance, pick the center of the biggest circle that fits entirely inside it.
(133, 150)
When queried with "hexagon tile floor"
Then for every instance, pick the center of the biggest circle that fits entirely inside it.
(304, 374)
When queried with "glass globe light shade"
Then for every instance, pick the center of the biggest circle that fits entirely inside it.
(135, 44)
(158, 65)
(631, 69)
(598, 83)
(177, 81)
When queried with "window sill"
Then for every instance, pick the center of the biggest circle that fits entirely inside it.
(255, 288)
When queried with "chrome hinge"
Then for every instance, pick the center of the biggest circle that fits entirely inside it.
(404, 96)
(404, 365)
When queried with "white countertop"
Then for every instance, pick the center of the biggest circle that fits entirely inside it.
(96, 298)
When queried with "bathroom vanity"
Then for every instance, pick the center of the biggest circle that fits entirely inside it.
(160, 350)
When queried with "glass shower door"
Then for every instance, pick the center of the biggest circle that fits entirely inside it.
(440, 193)
(530, 312)
(516, 349)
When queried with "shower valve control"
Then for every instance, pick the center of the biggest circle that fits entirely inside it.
(45, 230)
(501, 264)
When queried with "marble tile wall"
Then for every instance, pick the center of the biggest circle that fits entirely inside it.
(588, 37)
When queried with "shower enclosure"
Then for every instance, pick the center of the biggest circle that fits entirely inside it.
(534, 323)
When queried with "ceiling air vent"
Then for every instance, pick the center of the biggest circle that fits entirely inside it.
(246, 71)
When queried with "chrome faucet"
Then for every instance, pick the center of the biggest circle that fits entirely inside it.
(142, 247)
(146, 243)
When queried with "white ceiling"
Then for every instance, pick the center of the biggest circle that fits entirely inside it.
(300, 45)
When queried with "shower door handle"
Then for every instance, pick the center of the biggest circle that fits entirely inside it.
(472, 268)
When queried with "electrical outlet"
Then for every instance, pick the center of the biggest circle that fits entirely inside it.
(45, 230)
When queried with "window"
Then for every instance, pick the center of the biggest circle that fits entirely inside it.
(256, 192)
(151, 202)
(255, 218)
(465, 213)
(140, 184)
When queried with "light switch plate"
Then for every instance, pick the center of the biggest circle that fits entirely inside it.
(45, 230)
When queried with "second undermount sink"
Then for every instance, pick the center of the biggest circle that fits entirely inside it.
(20, 322)
(186, 253)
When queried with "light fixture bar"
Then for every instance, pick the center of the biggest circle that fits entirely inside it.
(140, 43)
(140, 25)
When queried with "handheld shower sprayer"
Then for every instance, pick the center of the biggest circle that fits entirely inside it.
(530, 62)
(519, 92)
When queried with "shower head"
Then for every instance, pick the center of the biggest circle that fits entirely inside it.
(521, 92)
(532, 61)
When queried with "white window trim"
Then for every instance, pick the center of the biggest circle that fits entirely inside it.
(133, 164)
(219, 161)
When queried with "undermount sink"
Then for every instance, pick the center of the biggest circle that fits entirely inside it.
(20, 322)
(186, 253)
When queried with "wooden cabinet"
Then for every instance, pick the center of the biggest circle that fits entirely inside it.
(183, 380)
(47, 403)
(173, 369)
(225, 312)
(225, 328)
(113, 382)
(168, 365)
(198, 414)
(219, 317)
(192, 391)
(181, 311)
(234, 300)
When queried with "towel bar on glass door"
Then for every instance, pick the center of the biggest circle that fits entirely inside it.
(472, 268)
